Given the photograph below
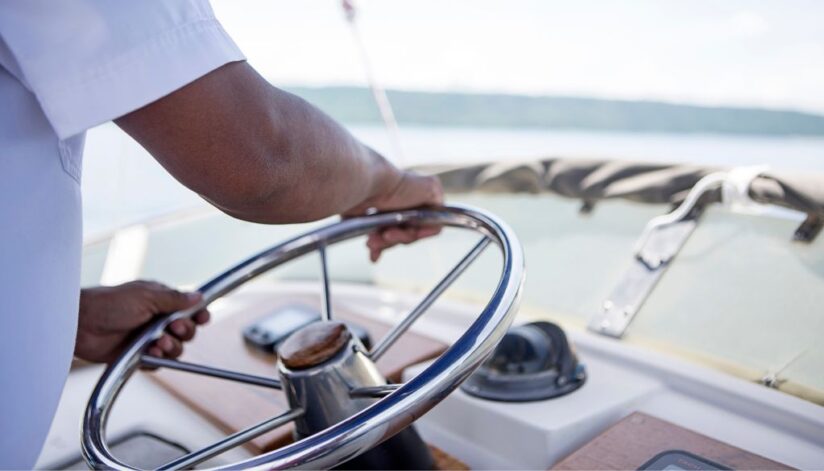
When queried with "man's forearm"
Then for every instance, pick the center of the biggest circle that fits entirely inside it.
(319, 168)
(256, 152)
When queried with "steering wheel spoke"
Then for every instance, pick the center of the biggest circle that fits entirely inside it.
(155, 362)
(392, 336)
(236, 439)
(375, 391)
(326, 302)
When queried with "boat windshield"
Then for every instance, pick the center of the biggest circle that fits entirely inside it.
(740, 296)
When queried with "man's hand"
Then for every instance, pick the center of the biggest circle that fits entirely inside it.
(110, 316)
(408, 190)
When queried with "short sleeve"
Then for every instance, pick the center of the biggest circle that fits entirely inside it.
(91, 61)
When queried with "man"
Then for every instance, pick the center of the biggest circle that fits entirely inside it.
(168, 75)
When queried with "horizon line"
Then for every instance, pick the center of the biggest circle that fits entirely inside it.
(476, 92)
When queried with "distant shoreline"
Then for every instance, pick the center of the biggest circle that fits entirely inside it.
(354, 105)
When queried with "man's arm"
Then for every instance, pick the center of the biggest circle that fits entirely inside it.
(258, 154)
(264, 155)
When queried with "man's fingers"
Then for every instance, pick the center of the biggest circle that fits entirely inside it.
(397, 235)
(155, 351)
(171, 347)
(202, 317)
(412, 190)
(379, 241)
(405, 235)
(166, 347)
(428, 231)
(184, 329)
(376, 245)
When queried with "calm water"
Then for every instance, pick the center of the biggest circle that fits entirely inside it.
(122, 183)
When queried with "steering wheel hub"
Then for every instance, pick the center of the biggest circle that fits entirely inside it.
(313, 344)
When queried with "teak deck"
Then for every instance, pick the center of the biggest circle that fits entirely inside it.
(638, 437)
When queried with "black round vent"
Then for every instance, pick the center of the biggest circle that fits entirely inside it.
(533, 362)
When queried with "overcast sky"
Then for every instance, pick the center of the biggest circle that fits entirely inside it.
(731, 52)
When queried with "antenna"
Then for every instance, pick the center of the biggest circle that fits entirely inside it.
(378, 93)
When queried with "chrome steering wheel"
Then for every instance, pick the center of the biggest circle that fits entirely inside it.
(378, 410)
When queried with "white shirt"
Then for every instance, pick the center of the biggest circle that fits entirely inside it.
(66, 66)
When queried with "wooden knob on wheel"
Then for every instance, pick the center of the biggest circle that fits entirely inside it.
(313, 344)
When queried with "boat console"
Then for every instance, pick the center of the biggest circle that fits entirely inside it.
(633, 406)
(457, 388)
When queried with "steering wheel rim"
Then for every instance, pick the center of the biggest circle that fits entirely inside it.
(397, 409)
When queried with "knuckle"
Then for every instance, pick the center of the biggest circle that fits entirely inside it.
(434, 188)
(146, 288)
(438, 190)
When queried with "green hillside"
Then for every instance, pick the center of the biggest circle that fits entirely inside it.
(355, 105)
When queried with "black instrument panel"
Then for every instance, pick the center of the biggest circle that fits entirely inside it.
(679, 460)
(267, 332)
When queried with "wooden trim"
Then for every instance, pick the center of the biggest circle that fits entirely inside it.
(639, 437)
